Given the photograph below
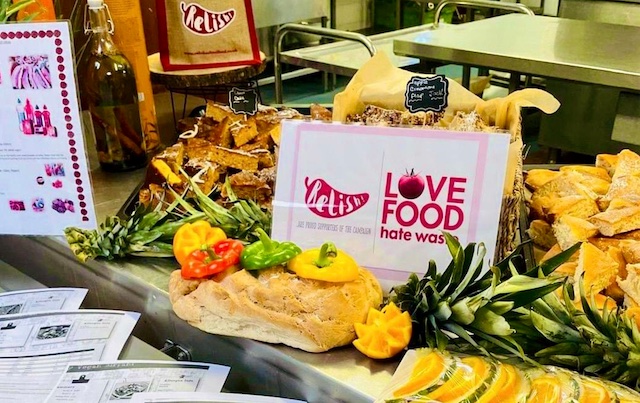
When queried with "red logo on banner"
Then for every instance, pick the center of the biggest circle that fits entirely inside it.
(326, 202)
(201, 21)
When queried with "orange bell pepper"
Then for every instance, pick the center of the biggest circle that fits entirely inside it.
(39, 10)
(199, 235)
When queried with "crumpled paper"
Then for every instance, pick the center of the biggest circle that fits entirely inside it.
(382, 84)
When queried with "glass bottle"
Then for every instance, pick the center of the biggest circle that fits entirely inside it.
(27, 123)
(20, 111)
(109, 95)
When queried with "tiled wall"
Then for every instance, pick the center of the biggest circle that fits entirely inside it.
(353, 14)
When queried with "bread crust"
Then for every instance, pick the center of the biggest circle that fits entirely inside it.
(276, 306)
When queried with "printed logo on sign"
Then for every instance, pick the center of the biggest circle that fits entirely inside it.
(326, 202)
(201, 21)
(422, 207)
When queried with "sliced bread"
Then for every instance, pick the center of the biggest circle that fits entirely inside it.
(536, 178)
(569, 230)
(628, 164)
(576, 206)
(541, 234)
(599, 269)
(631, 285)
(587, 170)
(608, 162)
(614, 222)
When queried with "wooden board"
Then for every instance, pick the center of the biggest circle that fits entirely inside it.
(203, 77)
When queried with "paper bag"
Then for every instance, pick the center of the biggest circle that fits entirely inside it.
(196, 34)
(382, 84)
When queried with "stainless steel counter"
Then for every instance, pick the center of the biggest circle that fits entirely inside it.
(345, 58)
(341, 375)
(574, 50)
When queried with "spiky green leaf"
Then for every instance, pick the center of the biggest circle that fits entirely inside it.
(490, 323)
(548, 266)
(554, 331)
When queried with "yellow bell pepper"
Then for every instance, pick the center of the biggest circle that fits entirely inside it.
(196, 236)
(385, 333)
(325, 264)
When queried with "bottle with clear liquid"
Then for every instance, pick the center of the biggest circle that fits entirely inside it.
(109, 95)
(20, 111)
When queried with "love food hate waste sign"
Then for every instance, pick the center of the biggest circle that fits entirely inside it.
(386, 194)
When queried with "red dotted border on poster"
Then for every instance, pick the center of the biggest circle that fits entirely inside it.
(65, 102)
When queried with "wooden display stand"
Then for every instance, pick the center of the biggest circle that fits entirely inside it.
(210, 84)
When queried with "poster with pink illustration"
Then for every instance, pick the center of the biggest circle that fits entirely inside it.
(385, 195)
(44, 172)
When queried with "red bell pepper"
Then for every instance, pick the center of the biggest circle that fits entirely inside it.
(206, 263)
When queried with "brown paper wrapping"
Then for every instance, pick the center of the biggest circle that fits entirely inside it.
(129, 37)
(382, 84)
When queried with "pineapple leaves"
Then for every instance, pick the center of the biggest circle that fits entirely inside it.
(490, 323)
(7, 10)
(474, 269)
(512, 309)
(554, 331)
(454, 272)
(462, 313)
(442, 340)
(558, 309)
(432, 271)
(523, 290)
(567, 348)
(548, 266)
(464, 335)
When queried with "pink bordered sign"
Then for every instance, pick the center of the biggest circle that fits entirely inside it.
(43, 166)
(385, 195)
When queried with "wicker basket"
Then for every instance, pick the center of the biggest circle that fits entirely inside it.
(510, 210)
(509, 217)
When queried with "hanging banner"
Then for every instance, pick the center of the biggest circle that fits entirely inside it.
(43, 166)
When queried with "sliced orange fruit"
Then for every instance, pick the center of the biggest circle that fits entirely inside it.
(470, 375)
(507, 388)
(545, 389)
(593, 392)
(427, 371)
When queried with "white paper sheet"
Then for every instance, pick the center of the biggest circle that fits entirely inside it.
(206, 398)
(36, 348)
(44, 170)
(108, 381)
(41, 300)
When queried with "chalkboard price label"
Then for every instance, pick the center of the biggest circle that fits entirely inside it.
(243, 101)
(425, 94)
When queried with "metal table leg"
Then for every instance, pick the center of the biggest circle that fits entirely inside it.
(466, 77)
(332, 14)
(514, 82)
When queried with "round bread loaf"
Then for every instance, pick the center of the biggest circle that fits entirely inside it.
(276, 306)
